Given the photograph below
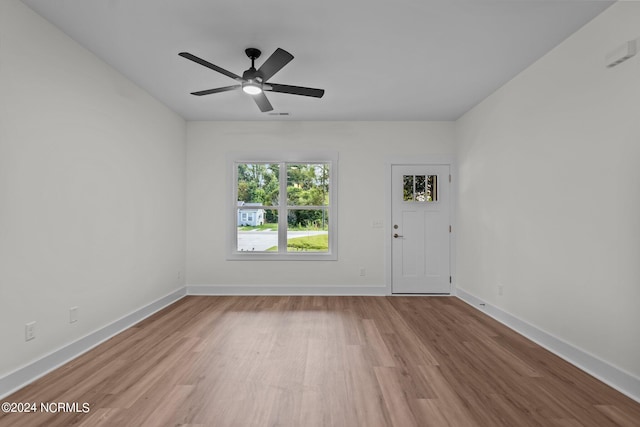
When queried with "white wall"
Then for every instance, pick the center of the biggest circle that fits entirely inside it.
(91, 190)
(363, 149)
(548, 199)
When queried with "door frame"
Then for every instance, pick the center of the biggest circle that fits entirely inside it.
(425, 160)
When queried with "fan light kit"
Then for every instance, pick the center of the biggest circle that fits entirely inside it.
(251, 88)
(255, 82)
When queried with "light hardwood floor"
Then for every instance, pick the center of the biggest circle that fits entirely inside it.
(323, 361)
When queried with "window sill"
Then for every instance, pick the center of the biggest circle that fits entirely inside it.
(263, 256)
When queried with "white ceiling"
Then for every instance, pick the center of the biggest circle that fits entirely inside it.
(376, 59)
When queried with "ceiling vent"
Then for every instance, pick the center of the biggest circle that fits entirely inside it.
(622, 53)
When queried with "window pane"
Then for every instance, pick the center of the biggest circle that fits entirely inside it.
(307, 230)
(258, 183)
(407, 184)
(420, 193)
(432, 188)
(260, 235)
(308, 184)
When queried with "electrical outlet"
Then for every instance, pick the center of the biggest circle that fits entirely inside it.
(363, 272)
(180, 275)
(500, 290)
(73, 314)
(29, 331)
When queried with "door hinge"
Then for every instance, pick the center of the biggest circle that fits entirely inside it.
(450, 279)
(449, 229)
(449, 177)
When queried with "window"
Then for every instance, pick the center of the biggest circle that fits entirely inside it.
(295, 195)
(420, 188)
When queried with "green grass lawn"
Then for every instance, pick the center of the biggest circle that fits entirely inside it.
(317, 243)
(274, 227)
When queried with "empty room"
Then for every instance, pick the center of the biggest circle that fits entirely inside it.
(286, 213)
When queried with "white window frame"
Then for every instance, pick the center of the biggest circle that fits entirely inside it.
(233, 159)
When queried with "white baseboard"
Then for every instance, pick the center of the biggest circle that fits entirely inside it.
(622, 381)
(328, 290)
(19, 378)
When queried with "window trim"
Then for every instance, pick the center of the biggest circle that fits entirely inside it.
(330, 157)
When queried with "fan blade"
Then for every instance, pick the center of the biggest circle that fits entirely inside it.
(263, 102)
(276, 61)
(216, 90)
(209, 65)
(296, 90)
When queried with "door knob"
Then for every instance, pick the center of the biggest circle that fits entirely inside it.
(396, 235)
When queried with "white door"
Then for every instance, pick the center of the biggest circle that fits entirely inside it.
(420, 229)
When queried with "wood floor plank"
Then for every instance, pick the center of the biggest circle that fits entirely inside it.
(394, 398)
(364, 390)
(565, 422)
(322, 361)
(100, 418)
(503, 357)
(378, 349)
(619, 417)
(448, 403)
(431, 413)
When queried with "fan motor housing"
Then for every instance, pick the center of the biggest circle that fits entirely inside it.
(252, 74)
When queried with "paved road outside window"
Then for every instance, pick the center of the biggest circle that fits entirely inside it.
(262, 240)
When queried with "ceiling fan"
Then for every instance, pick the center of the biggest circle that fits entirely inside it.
(255, 82)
